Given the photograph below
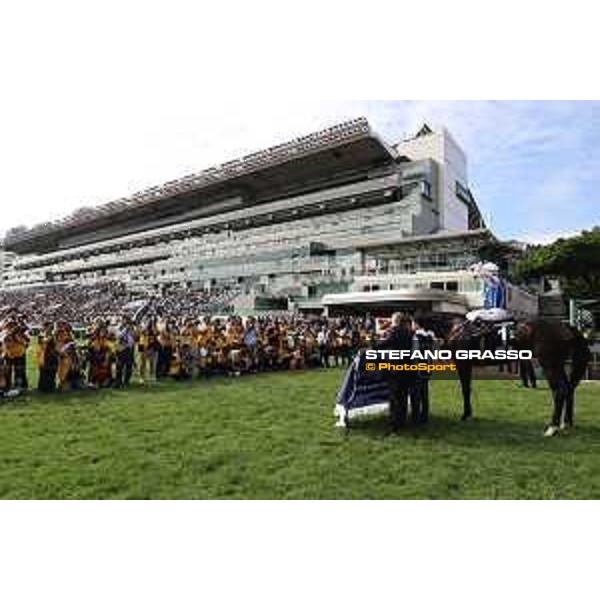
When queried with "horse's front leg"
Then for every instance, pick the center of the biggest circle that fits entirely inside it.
(465, 373)
(560, 393)
(553, 427)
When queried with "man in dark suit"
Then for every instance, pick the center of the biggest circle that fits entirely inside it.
(399, 337)
(423, 340)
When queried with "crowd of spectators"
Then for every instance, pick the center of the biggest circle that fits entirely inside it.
(83, 304)
(73, 303)
(178, 303)
(178, 347)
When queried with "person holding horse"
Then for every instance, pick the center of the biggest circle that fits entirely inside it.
(399, 337)
(424, 339)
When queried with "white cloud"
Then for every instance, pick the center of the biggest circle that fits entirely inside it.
(53, 164)
(84, 146)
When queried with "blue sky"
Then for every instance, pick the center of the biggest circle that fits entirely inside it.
(534, 167)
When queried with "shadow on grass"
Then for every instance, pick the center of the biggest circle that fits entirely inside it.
(479, 432)
(67, 397)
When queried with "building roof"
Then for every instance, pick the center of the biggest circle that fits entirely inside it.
(346, 146)
(454, 300)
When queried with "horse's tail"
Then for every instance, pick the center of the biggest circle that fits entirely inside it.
(581, 357)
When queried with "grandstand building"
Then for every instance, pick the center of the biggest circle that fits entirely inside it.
(7, 260)
(335, 212)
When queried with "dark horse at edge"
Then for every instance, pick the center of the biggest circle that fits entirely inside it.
(554, 344)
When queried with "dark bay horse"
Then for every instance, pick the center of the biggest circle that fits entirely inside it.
(554, 345)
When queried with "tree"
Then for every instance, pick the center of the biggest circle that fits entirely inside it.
(574, 261)
(502, 254)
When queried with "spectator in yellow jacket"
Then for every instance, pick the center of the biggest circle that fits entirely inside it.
(16, 342)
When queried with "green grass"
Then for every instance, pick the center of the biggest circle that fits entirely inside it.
(272, 436)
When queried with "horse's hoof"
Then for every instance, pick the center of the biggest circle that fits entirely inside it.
(466, 418)
(566, 427)
(551, 431)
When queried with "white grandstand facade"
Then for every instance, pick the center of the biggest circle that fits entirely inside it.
(330, 213)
